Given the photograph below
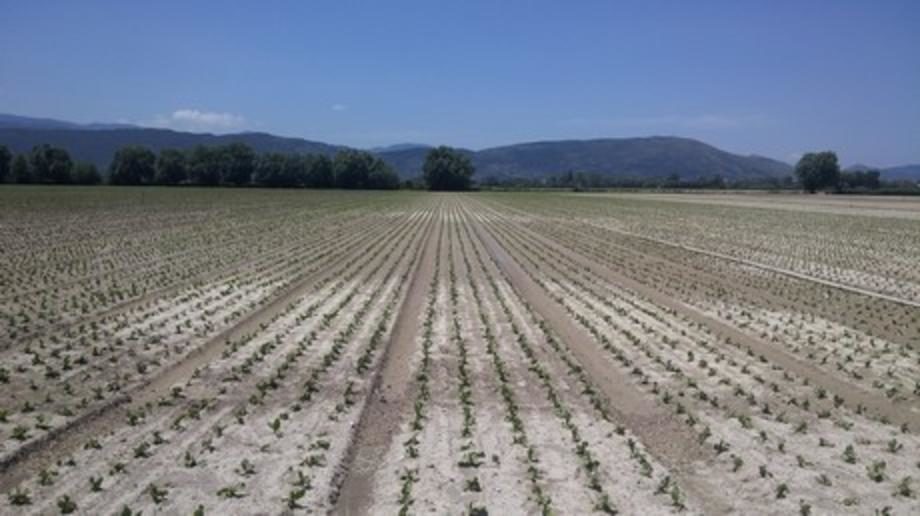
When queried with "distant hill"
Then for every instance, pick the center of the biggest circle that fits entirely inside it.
(99, 145)
(25, 122)
(903, 172)
(400, 147)
(409, 161)
(623, 158)
(654, 157)
(644, 158)
(859, 167)
(899, 173)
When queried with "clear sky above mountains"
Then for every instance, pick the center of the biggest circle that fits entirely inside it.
(773, 78)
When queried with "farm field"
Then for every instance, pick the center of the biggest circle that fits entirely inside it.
(239, 351)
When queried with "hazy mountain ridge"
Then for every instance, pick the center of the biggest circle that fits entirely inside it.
(652, 157)
(8, 121)
(99, 145)
(399, 147)
(639, 158)
(909, 172)
(902, 172)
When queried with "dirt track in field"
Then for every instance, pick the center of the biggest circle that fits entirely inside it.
(387, 399)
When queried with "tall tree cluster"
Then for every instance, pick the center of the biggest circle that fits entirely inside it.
(447, 169)
(6, 162)
(45, 164)
(818, 171)
(132, 165)
(235, 164)
(356, 169)
(860, 179)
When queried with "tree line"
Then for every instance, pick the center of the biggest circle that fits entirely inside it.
(46, 165)
(816, 171)
(821, 171)
(235, 164)
(592, 180)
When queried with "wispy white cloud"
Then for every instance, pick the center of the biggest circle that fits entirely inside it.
(339, 107)
(198, 120)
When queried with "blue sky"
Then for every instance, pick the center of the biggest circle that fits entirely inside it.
(772, 77)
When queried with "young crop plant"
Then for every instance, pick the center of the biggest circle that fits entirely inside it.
(232, 491)
(512, 409)
(294, 496)
(408, 477)
(95, 484)
(157, 494)
(876, 471)
(19, 497)
(66, 504)
(423, 391)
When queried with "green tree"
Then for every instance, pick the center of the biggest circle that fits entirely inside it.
(447, 169)
(50, 165)
(269, 169)
(294, 171)
(204, 166)
(567, 180)
(172, 167)
(237, 163)
(86, 173)
(352, 168)
(22, 173)
(320, 172)
(132, 165)
(864, 179)
(360, 169)
(818, 171)
(382, 177)
(6, 158)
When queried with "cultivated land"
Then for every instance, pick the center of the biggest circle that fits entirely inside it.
(254, 351)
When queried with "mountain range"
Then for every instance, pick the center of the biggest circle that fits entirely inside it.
(899, 173)
(633, 158)
(8, 121)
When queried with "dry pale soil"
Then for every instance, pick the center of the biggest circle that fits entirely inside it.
(196, 351)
